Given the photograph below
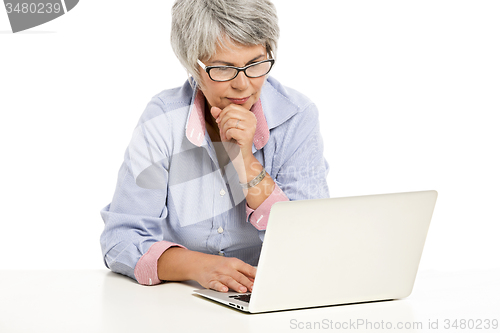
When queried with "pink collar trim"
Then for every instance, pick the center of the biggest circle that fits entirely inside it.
(195, 129)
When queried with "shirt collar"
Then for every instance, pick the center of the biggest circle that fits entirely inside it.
(195, 126)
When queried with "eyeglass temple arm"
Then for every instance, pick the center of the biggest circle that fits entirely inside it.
(201, 64)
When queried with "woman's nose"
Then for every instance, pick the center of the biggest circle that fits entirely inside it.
(240, 82)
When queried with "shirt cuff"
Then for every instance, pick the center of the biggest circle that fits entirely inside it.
(258, 217)
(146, 269)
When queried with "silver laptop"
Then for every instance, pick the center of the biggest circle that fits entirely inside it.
(337, 251)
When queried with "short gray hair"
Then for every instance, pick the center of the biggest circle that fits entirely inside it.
(199, 25)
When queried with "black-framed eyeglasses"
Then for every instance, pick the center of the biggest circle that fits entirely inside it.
(227, 73)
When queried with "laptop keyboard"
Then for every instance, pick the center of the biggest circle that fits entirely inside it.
(242, 297)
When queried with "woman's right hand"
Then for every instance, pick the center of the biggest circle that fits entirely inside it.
(221, 274)
(211, 271)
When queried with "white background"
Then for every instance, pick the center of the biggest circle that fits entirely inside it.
(408, 93)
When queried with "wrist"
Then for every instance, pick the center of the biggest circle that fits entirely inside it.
(174, 264)
(249, 169)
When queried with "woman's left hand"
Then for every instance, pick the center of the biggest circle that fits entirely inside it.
(236, 125)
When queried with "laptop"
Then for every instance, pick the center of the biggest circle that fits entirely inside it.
(334, 251)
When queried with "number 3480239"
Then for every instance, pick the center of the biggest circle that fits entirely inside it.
(470, 324)
(33, 8)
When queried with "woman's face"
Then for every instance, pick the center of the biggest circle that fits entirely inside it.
(241, 90)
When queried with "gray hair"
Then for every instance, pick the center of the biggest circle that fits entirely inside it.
(198, 26)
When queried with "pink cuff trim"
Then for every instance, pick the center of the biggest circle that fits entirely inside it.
(260, 215)
(146, 269)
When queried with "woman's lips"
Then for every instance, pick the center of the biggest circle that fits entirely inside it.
(239, 100)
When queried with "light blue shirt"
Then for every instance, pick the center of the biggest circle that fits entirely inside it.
(170, 186)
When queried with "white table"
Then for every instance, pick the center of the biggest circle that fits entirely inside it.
(101, 301)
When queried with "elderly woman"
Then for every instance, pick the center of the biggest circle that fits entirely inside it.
(208, 160)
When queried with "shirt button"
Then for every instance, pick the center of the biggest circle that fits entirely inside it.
(220, 230)
(222, 192)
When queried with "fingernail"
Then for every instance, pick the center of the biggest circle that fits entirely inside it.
(242, 289)
(217, 120)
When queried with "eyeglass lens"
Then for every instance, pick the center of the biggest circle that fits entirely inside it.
(224, 73)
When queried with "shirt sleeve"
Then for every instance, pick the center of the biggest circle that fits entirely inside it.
(133, 237)
(302, 168)
(259, 217)
(146, 270)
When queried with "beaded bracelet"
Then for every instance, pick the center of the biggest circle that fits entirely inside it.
(256, 180)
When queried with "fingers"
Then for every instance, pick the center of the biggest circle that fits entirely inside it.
(218, 113)
(236, 281)
(234, 129)
(231, 283)
(227, 285)
(231, 273)
(227, 124)
(217, 285)
(244, 283)
(215, 111)
(231, 116)
(238, 126)
(249, 271)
